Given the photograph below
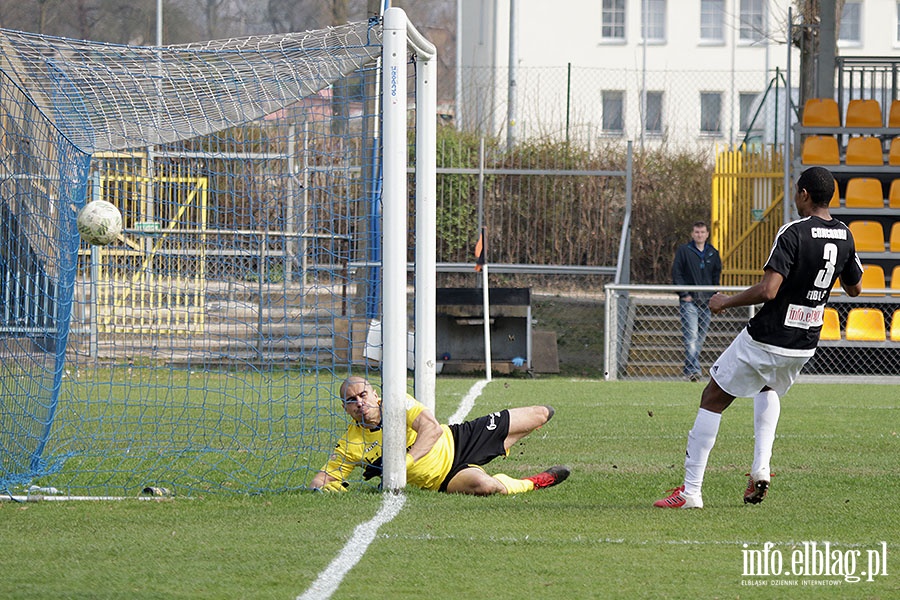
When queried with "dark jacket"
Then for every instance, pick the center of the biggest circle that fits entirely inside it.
(693, 267)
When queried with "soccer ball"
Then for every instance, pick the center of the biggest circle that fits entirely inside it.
(99, 222)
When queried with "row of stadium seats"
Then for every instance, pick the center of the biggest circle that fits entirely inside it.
(869, 236)
(824, 112)
(861, 151)
(863, 325)
(857, 145)
(873, 279)
(866, 192)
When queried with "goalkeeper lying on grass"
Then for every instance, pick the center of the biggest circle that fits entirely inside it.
(446, 458)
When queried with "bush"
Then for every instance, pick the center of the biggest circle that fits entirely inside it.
(556, 219)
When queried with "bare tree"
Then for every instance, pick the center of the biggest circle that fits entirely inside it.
(212, 11)
(86, 17)
(806, 36)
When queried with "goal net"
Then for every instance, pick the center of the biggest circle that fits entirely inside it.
(203, 349)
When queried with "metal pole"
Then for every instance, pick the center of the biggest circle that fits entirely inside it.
(643, 117)
(511, 92)
(458, 98)
(735, 32)
(159, 22)
(394, 327)
(786, 158)
(426, 230)
(290, 243)
(568, 98)
(480, 183)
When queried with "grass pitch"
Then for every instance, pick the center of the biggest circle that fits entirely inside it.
(595, 536)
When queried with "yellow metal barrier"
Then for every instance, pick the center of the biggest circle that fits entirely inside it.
(747, 210)
(153, 283)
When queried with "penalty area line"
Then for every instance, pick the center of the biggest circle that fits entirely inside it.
(468, 401)
(328, 580)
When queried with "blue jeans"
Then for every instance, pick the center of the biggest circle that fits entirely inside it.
(694, 325)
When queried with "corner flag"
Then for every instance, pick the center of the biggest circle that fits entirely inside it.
(480, 250)
(482, 267)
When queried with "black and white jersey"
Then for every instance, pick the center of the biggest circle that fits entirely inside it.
(810, 253)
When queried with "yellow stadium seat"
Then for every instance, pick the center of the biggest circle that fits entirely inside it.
(865, 325)
(894, 115)
(864, 113)
(894, 194)
(894, 152)
(864, 151)
(873, 279)
(895, 279)
(820, 150)
(864, 192)
(821, 112)
(895, 326)
(837, 289)
(869, 236)
(835, 197)
(895, 237)
(831, 327)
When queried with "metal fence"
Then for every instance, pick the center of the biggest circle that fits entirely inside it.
(555, 222)
(643, 335)
(591, 105)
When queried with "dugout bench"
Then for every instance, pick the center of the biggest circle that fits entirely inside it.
(459, 329)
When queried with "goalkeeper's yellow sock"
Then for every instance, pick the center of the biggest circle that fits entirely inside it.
(514, 486)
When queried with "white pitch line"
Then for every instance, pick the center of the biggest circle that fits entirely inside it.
(468, 401)
(328, 581)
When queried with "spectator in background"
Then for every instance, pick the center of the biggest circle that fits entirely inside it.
(696, 263)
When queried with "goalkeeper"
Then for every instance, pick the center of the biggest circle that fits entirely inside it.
(446, 458)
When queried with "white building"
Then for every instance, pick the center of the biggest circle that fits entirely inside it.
(584, 71)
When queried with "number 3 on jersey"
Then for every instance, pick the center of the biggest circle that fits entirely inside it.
(825, 275)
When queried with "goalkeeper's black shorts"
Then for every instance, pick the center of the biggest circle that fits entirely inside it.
(477, 442)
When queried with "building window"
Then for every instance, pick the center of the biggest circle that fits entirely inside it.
(653, 20)
(613, 111)
(613, 20)
(850, 33)
(749, 105)
(653, 113)
(711, 112)
(753, 20)
(712, 21)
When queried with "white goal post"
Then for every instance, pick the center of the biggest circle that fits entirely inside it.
(399, 34)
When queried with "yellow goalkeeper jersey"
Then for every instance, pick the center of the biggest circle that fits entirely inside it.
(361, 447)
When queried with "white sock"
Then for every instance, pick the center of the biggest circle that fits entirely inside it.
(701, 440)
(766, 409)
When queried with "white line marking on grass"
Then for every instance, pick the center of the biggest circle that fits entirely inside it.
(328, 581)
(468, 401)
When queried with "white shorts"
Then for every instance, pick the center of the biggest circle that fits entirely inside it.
(747, 366)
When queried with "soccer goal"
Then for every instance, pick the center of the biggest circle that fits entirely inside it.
(264, 186)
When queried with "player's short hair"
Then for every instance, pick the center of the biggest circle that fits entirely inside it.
(352, 380)
(818, 183)
(700, 224)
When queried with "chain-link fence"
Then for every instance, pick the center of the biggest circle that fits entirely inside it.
(673, 107)
(644, 339)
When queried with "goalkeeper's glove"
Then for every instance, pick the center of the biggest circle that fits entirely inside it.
(332, 486)
(372, 470)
